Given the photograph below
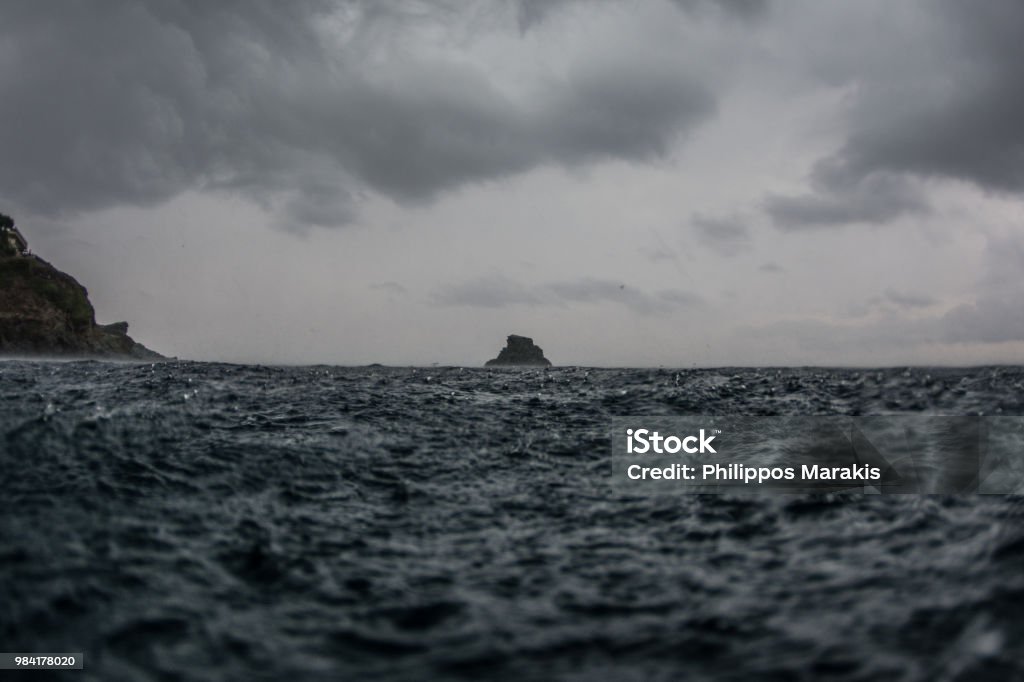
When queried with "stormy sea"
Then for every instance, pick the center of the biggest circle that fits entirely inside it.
(193, 521)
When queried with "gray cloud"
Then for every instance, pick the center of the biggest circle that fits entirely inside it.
(486, 292)
(589, 290)
(1004, 264)
(530, 13)
(390, 288)
(300, 105)
(727, 235)
(501, 292)
(659, 255)
(990, 319)
(995, 314)
(874, 199)
(908, 300)
(939, 96)
(745, 9)
(962, 119)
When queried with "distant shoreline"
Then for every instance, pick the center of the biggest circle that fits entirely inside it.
(64, 358)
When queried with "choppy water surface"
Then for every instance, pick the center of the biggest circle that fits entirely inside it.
(207, 522)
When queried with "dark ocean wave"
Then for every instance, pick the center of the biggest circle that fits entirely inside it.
(208, 522)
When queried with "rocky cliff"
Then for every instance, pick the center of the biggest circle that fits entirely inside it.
(519, 351)
(44, 311)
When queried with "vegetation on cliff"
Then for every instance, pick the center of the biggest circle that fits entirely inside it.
(44, 311)
(30, 282)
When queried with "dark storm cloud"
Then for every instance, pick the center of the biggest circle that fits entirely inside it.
(293, 105)
(502, 292)
(116, 102)
(944, 100)
(727, 235)
(963, 122)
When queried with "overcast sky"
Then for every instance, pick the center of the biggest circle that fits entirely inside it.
(645, 182)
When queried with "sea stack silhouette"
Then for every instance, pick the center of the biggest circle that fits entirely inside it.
(519, 351)
(44, 311)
